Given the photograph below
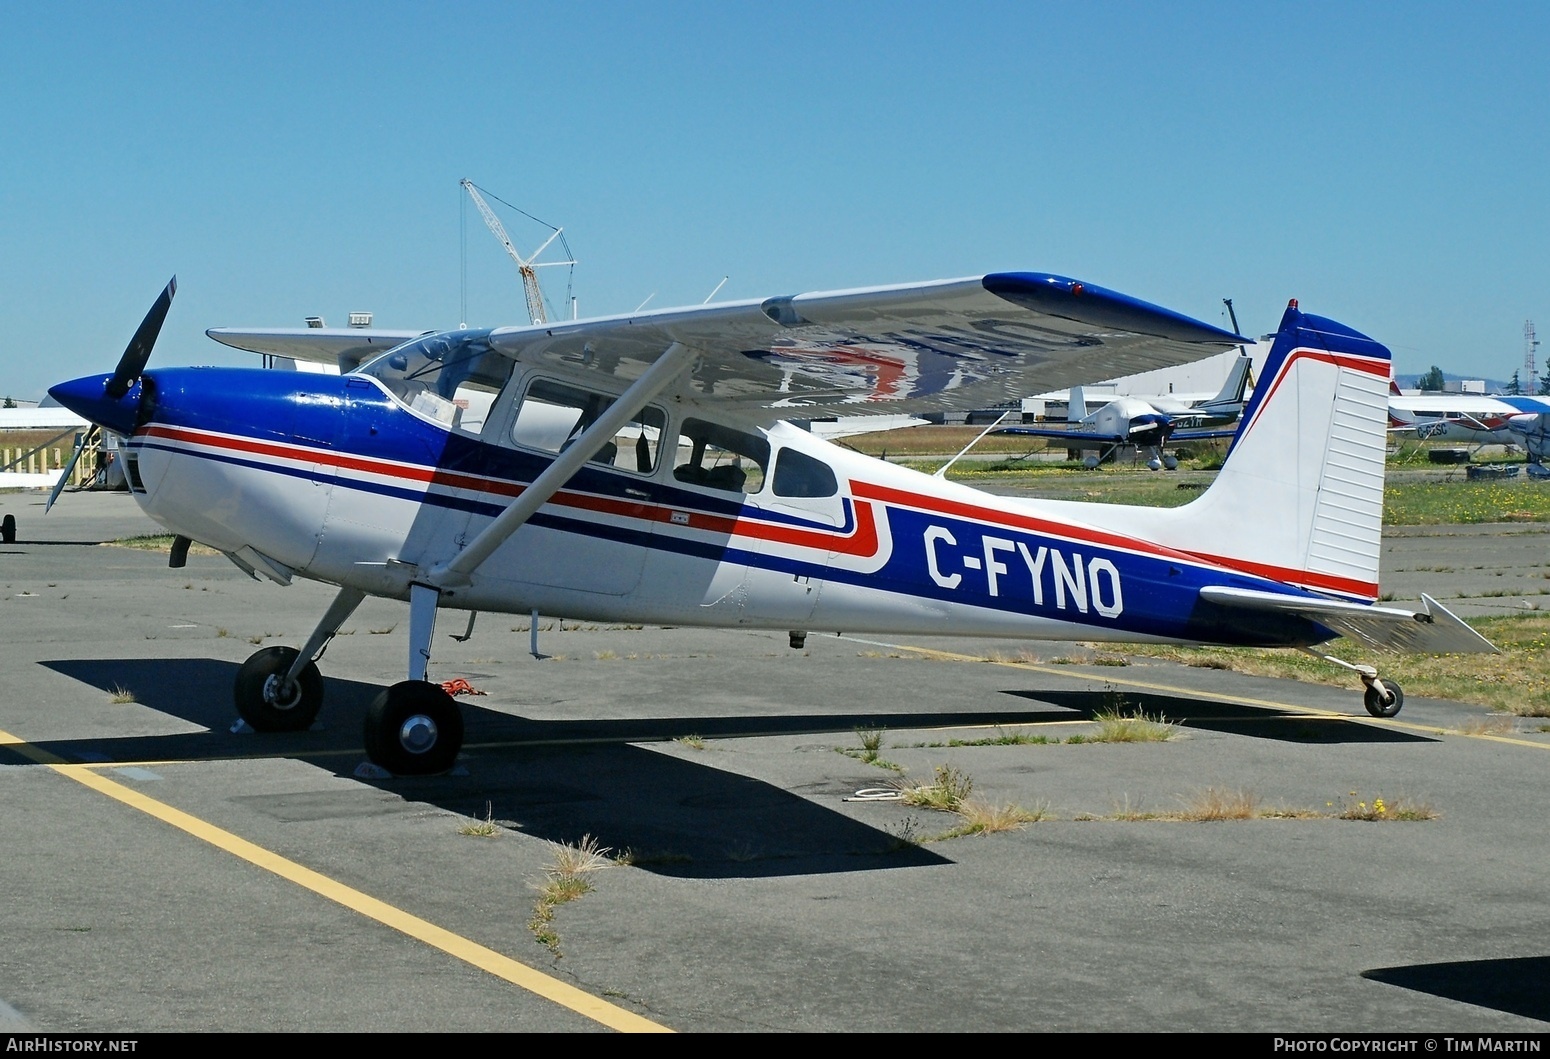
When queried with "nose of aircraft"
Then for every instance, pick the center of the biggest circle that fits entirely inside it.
(113, 401)
(88, 398)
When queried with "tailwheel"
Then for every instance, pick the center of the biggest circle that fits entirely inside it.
(1383, 698)
(271, 703)
(414, 728)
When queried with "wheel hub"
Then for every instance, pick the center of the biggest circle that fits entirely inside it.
(418, 734)
(280, 693)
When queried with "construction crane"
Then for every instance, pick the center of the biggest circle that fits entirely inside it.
(528, 267)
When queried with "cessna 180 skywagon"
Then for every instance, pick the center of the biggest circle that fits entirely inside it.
(641, 468)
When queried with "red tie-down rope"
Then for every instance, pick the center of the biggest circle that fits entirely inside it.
(460, 686)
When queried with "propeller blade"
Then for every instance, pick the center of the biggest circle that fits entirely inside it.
(138, 352)
(64, 476)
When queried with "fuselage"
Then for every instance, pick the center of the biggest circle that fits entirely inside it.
(338, 479)
(1463, 417)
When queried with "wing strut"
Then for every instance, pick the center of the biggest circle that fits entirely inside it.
(457, 571)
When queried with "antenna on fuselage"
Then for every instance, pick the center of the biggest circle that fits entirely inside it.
(941, 472)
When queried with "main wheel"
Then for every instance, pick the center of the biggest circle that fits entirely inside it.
(267, 702)
(414, 729)
(1378, 706)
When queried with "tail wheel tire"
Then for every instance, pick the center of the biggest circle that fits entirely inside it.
(1378, 706)
(414, 728)
(270, 703)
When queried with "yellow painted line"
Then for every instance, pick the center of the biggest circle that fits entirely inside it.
(454, 945)
(1213, 696)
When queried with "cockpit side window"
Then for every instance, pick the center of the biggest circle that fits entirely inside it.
(799, 475)
(452, 377)
(553, 415)
(720, 457)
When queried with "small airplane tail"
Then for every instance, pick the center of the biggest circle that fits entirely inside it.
(1076, 405)
(1300, 495)
(1230, 400)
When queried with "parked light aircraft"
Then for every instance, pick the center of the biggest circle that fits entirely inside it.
(637, 468)
(1149, 422)
(1226, 403)
(1460, 416)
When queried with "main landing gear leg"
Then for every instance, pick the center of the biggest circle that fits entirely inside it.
(1383, 698)
(414, 728)
(279, 689)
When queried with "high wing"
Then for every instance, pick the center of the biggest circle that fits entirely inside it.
(946, 345)
(347, 347)
(1434, 630)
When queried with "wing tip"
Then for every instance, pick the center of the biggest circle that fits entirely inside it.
(1079, 300)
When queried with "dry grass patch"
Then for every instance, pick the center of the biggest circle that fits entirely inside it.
(1219, 803)
(950, 793)
(1495, 725)
(1381, 809)
(1118, 727)
(985, 818)
(1124, 810)
(486, 828)
(565, 879)
(947, 792)
(121, 695)
(870, 750)
(157, 542)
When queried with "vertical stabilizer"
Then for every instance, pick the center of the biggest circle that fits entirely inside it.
(1300, 496)
(1076, 405)
(1230, 399)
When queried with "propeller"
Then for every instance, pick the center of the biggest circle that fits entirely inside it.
(92, 435)
(99, 398)
(138, 352)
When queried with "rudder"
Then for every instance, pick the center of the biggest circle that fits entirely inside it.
(1300, 495)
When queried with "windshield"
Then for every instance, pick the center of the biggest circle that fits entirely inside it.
(451, 377)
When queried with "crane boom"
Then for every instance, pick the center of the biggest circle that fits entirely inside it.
(535, 297)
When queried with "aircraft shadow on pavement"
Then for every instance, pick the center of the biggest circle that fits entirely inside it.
(561, 780)
(1259, 722)
(1519, 986)
(675, 817)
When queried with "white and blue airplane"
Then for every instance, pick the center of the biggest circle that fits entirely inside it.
(1148, 422)
(1478, 418)
(639, 468)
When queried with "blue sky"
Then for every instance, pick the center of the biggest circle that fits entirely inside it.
(1386, 164)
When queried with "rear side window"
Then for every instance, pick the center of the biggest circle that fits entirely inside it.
(798, 474)
(720, 457)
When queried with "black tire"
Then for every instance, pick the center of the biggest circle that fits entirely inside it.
(1375, 704)
(269, 707)
(414, 729)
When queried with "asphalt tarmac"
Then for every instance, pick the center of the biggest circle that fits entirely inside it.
(164, 873)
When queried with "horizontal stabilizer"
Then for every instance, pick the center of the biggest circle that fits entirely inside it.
(1433, 630)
